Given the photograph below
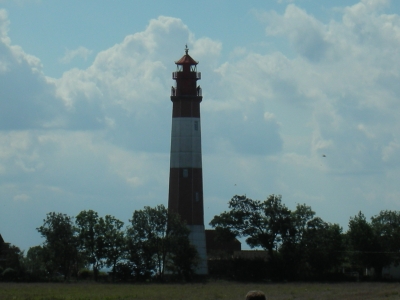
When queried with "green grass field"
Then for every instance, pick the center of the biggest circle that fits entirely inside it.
(212, 290)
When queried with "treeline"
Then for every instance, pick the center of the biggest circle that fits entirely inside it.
(155, 246)
(301, 246)
(154, 242)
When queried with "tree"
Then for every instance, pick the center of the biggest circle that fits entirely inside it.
(145, 240)
(13, 262)
(386, 226)
(90, 239)
(61, 243)
(300, 219)
(324, 246)
(293, 247)
(264, 224)
(35, 263)
(367, 243)
(113, 239)
(155, 241)
(182, 257)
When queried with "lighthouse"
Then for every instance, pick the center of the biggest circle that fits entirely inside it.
(186, 175)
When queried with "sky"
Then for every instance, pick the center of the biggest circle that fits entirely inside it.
(300, 99)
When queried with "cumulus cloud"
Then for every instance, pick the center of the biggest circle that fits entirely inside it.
(345, 72)
(128, 86)
(304, 32)
(27, 97)
(103, 132)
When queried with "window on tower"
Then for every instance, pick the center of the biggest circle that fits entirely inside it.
(196, 125)
(185, 173)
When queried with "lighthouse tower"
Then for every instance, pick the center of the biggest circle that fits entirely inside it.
(186, 175)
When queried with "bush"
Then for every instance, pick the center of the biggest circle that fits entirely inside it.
(102, 277)
(123, 271)
(85, 274)
(9, 274)
(35, 276)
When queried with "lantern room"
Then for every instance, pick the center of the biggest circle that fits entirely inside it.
(186, 77)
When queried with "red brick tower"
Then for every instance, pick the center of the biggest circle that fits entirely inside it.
(186, 175)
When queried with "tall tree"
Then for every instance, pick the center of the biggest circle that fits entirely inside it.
(155, 238)
(35, 262)
(368, 249)
(61, 243)
(14, 261)
(181, 257)
(264, 224)
(293, 247)
(145, 240)
(90, 239)
(386, 226)
(324, 246)
(113, 239)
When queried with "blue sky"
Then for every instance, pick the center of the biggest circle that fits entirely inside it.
(300, 98)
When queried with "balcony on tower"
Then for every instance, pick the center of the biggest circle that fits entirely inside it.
(174, 92)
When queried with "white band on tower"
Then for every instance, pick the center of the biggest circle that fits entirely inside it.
(186, 143)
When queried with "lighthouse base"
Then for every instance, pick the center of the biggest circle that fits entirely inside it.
(197, 238)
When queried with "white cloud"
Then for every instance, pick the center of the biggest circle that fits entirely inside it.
(28, 99)
(304, 32)
(103, 132)
(21, 198)
(343, 77)
(81, 52)
(269, 116)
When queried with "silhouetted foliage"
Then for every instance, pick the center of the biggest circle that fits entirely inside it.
(9, 274)
(300, 245)
(263, 224)
(293, 252)
(113, 241)
(324, 247)
(386, 226)
(60, 245)
(35, 264)
(375, 244)
(158, 240)
(90, 239)
(123, 271)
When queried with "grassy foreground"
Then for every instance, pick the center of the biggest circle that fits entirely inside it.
(208, 291)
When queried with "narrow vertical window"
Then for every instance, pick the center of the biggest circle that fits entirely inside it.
(185, 173)
(197, 197)
(196, 125)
